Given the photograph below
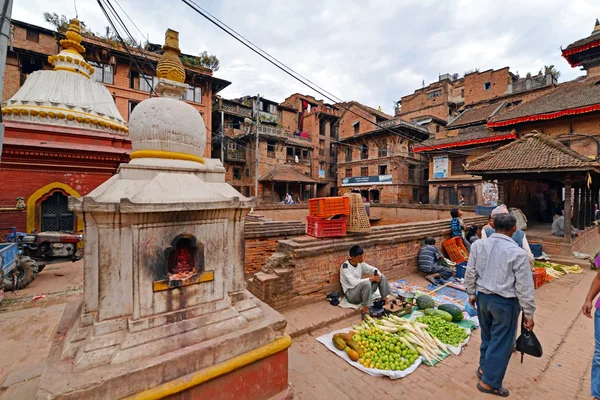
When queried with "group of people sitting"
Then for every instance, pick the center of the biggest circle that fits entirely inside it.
(289, 199)
(360, 280)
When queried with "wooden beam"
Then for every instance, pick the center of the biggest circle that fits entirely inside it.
(576, 206)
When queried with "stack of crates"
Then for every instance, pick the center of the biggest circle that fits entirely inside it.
(327, 216)
(456, 250)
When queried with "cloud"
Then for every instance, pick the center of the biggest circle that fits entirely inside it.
(372, 52)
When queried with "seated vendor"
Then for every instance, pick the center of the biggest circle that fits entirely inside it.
(431, 262)
(558, 226)
(357, 289)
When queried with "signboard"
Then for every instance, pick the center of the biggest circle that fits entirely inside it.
(440, 167)
(322, 173)
(367, 180)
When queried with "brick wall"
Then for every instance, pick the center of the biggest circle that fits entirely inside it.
(258, 251)
(422, 99)
(303, 271)
(23, 183)
(475, 90)
(347, 121)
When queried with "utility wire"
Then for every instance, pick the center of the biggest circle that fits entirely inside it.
(134, 59)
(283, 67)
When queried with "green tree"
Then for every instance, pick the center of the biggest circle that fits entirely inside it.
(552, 70)
(61, 22)
(204, 60)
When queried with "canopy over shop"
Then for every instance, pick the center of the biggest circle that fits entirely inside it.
(534, 167)
(284, 179)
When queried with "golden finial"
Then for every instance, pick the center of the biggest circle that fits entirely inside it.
(596, 27)
(73, 41)
(170, 66)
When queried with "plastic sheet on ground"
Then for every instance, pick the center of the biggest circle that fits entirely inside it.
(327, 340)
(456, 350)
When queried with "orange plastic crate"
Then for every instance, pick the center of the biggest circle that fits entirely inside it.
(539, 277)
(456, 250)
(322, 227)
(329, 206)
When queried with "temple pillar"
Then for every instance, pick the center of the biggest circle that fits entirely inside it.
(576, 206)
(568, 208)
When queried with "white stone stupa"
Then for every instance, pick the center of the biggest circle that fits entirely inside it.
(67, 95)
(165, 308)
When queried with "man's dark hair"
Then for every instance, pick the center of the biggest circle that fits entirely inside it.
(490, 217)
(429, 240)
(454, 213)
(356, 251)
(504, 222)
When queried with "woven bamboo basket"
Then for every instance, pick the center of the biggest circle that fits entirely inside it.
(358, 221)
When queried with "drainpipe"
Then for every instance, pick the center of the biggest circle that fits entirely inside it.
(4, 38)
(256, 149)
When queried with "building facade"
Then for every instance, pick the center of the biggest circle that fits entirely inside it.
(376, 158)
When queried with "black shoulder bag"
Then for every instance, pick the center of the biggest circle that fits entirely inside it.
(528, 343)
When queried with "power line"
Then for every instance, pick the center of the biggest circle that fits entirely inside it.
(281, 65)
(123, 42)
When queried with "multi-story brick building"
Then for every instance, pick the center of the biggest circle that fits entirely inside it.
(470, 102)
(65, 118)
(376, 159)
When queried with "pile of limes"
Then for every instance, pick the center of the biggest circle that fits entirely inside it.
(383, 350)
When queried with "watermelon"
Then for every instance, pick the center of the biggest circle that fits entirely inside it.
(425, 302)
(438, 313)
(455, 311)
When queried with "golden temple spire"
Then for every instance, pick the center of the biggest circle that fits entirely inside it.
(170, 66)
(71, 57)
(73, 40)
(596, 27)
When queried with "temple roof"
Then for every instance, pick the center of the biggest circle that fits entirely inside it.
(574, 97)
(469, 136)
(285, 173)
(67, 95)
(593, 37)
(534, 152)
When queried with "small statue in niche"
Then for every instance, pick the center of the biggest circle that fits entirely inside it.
(183, 261)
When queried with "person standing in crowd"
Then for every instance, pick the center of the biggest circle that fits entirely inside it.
(519, 236)
(587, 311)
(457, 226)
(498, 281)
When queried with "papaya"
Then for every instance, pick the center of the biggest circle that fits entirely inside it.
(346, 337)
(351, 333)
(339, 343)
(353, 355)
(354, 346)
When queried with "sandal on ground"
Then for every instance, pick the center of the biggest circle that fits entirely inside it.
(479, 374)
(502, 392)
(430, 279)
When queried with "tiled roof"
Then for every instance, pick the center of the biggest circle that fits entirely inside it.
(285, 173)
(569, 95)
(473, 115)
(466, 134)
(535, 151)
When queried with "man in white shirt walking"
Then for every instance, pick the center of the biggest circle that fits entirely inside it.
(498, 270)
(359, 290)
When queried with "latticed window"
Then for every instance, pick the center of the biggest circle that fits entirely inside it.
(382, 149)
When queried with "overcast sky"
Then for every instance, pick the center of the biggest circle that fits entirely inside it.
(372, 52)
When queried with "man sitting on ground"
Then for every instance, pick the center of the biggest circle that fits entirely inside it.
(359, 290)
(558, 226)
(431, 262)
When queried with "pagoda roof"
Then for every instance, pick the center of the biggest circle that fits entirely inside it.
(285, 173)
(534, 152)
(582, 45)
(579, 96)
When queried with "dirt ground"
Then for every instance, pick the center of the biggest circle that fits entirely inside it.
(27, 327)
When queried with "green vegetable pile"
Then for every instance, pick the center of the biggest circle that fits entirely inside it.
(446, 332)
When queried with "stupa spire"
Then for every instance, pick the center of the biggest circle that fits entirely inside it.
(170, 66)
(71, 57)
